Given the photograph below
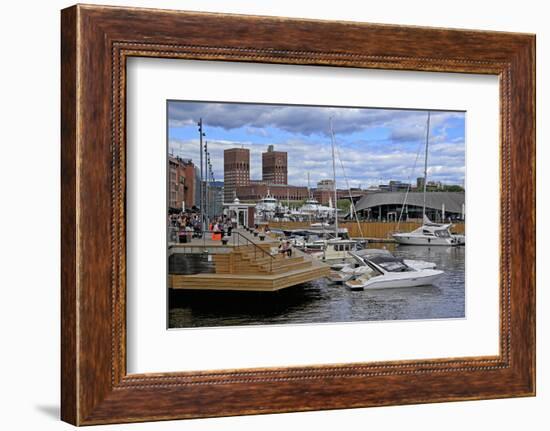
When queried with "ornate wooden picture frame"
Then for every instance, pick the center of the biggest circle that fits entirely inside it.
(96, 42)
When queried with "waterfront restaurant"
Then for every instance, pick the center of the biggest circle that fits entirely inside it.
(440, 206)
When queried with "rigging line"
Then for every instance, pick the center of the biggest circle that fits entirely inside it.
(420, 144)
(334, 179)
(349, 190)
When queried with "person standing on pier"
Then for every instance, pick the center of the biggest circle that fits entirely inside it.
(216, 233)
(228, 226)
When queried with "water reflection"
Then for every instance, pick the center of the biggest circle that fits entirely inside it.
(320, 301)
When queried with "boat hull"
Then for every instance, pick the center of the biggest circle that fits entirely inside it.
(406, 239)
(399, 280)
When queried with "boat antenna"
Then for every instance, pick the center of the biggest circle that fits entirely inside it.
(334, 181)
(426, 168)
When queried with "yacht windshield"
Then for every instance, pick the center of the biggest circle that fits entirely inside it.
(390, 264)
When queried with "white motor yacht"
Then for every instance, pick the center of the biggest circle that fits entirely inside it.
(342, 272)
(430, 234)
(390, 272)
(336, 250)
(416, 264)
(266, 207)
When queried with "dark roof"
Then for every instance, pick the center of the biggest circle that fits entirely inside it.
(453, 200)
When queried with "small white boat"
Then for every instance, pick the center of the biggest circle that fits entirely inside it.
(336, 251)
(430, 234)
(312, 207)
(416, 264)
(342, 272)
(389, 272)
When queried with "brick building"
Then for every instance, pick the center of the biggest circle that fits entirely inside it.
(274, 166)
(236, 170)
(181, 183)
(282, 192)
(325, 185)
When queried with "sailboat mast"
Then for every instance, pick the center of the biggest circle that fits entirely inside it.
(426, 167)
(308, 197)
(334, 182)
(287, 198)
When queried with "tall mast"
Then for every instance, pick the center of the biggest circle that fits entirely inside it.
(334, 182)
(308, 197)
(287, 198)
(426, 167)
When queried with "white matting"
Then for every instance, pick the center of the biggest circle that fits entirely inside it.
(153, 348)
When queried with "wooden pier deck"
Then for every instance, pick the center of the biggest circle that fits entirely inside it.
(207, 244)
(248, 282)
(247, 268)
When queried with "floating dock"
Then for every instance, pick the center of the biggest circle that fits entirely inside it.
(246, 263)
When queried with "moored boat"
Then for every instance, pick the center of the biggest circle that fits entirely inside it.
(342, 272)
(336, 250)
(430, 234)
(390, 272)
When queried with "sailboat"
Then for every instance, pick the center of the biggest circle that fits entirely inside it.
(429, 233)
(339, 248)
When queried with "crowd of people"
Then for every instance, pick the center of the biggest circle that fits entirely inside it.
(220, 227)
(187, 226)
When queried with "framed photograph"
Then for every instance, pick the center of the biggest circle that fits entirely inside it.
(283, 215)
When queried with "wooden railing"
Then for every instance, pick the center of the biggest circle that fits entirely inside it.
(239, 239)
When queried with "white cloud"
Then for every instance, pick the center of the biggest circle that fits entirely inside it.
(363, 166)
(366, 161)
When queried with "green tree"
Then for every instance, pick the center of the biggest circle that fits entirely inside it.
(343, 205)
(453, 188)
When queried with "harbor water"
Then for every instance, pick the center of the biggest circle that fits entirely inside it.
(320, 301)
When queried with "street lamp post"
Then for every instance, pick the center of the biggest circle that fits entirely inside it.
(206, 206)
(209, 185)
(201, 190)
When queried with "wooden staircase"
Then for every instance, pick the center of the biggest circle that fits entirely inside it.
(249, 268)
(249, 260)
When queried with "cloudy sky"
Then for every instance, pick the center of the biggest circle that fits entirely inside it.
(374, 145)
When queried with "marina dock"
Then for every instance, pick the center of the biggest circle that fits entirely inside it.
(246, 263)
